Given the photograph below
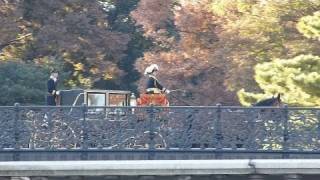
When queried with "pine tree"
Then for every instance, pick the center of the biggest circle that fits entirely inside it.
(27, 85)
(310, 26)
(298, 78)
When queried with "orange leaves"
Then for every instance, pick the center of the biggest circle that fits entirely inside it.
(194, 18)
(153, 15)
(190, 62)
(74, 32)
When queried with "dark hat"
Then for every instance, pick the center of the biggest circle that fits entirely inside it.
(54, 71)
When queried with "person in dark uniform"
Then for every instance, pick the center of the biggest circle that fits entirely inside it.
(52, 89)
(153, 85)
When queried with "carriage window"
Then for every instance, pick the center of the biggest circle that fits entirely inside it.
(118, 100)
(96, 99)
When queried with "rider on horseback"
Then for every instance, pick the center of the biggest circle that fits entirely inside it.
(154, 91)
(153, 85)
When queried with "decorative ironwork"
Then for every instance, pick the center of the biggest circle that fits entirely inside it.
(217, 128)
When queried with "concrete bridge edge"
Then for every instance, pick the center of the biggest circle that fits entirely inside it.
(160, 167)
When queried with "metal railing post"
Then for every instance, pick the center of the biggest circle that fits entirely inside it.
(318, 128)
(285, 132)
(151, 148)
(16, 156)
(50, 127)
(84, 131)
(251, 129)
(218, 134)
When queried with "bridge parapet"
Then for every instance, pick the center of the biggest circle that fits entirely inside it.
(156, 170)
(190, 132)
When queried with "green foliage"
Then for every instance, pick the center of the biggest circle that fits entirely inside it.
(258, 31)
(310, 26)
(22, 83)
(247, 98)
(297, 79)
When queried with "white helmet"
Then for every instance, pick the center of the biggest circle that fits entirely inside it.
(150, 69)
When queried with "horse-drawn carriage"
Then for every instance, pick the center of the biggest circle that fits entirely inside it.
(78, 97)
(109, 119)
(107, 112)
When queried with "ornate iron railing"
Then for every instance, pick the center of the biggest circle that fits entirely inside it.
(214, 128)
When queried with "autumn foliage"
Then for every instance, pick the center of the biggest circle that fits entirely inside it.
(210, 48)
(210, 51)
(185, 51)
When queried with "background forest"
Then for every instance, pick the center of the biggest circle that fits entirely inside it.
(219, 51)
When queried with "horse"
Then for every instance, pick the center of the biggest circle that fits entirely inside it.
(269, 102)
(274, 101)
(268, 119)
(262, 115)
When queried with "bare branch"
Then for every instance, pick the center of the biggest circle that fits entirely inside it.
(2, 46)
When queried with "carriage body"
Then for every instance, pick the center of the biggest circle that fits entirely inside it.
(78, 97)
